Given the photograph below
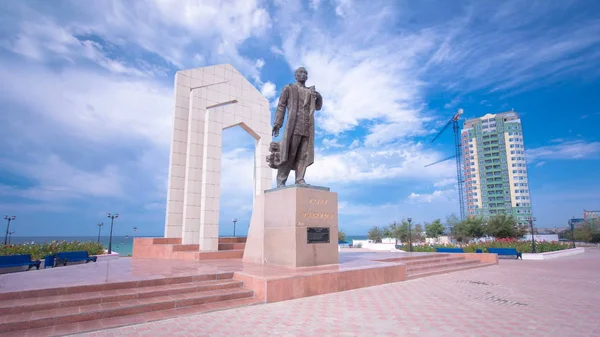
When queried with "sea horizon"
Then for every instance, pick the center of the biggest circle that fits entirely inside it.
(122, 244)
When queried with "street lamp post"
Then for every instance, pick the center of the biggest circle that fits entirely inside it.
(573, 232)
(234, 222)
(394, 234)
(531, 220)
(100, 224)
(134, 230)
(10, 235)
(9, 219)
(112, 221)
(410, 249)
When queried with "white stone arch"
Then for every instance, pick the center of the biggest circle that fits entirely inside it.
(207, 101)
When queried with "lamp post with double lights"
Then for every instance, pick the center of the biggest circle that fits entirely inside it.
(410, 249)
(112, 221)
(9, 219)
(100, 224)
(573, 231)
(531, 220)
(234, 222)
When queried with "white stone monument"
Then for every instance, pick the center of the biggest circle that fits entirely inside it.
(207, 101)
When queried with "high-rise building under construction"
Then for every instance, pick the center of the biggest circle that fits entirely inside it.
(494, 167)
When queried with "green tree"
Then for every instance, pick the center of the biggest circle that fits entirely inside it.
(470, 228)
(375, 234)
(397, 231)
(341, 236)
(475, 227)
(434, 229)
(502, 226)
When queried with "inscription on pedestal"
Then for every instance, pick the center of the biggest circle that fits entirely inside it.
(317, 235)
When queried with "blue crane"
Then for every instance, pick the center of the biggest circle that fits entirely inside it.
(458, 155)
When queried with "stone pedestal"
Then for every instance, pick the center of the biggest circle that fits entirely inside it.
(289, 225)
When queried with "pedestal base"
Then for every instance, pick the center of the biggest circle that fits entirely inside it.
(294, 226)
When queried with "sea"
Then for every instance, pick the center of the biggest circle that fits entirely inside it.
(120, 244)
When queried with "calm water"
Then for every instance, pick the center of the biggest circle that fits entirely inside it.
(120, 244)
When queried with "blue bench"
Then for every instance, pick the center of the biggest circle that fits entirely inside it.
(64, 257)
(505, 252)
(449, 250)
(18, 261)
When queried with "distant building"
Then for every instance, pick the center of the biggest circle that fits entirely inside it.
(589, 215)
(576, 222)
(494, 167)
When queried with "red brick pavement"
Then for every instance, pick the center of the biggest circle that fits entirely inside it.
(515, 298)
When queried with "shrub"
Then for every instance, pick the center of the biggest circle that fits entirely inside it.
(39, 251)
(520, 246)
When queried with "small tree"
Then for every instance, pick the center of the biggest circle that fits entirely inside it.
(475, 227)
(375, 234)
(434, 229)
(341, 236)
(502, 226)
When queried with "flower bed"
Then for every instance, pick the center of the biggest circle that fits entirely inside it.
(521, 246)
(39, 251)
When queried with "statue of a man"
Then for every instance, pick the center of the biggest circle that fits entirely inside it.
(297, 147)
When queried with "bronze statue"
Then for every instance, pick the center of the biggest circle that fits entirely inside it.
(296, 151)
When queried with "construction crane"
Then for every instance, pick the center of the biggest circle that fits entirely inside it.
(459, 177)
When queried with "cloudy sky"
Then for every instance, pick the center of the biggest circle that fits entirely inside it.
(87, 101)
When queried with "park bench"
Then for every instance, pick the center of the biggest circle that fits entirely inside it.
(64, 257)
(449, 250)
(505, 252)
(18, 261)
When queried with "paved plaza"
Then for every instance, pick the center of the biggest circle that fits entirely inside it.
(559, 297)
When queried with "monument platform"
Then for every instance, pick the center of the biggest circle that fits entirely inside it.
(126, 291)
(172, 248)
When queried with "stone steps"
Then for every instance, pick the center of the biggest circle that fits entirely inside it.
(440, 265)
(172, 248)
(107, 296)
(446, 269)
(80, 311)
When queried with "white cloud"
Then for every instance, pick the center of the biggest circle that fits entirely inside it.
(259, 63)
(327, 143)
(435, 196)
(314, 4)
(365, 164)
(540, 164)
(268, 90)
(577, 149)
(444, 182)
(363, 72)
(58, 180)
(92, 105)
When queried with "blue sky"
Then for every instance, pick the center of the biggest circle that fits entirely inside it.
(87, 101)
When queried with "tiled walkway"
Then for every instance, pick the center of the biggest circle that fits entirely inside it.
(515, 298)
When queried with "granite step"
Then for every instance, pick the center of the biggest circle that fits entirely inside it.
(120, 321)
(76, 289)
(440, 265)
(222, 254)
(435, 260)
(424, 257)
(415, 275)
(231, 246)
(107, 296)
(76, 314)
